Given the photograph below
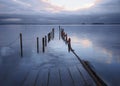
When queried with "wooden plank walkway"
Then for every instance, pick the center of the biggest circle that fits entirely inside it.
(60, 69)
(54, 77)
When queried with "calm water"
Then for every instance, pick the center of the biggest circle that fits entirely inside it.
(100, 45)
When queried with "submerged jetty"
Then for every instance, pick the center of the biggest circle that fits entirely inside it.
(54, 64)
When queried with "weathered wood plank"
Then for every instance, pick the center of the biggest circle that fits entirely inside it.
(30, 81)
(16, 78)
(86, 76)
(66, 79)
(76, 76)
(54, 77)
(42, 78)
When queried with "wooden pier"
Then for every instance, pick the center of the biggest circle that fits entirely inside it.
(55, 67)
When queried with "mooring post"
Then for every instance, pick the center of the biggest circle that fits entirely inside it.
(69, 44)
(45, 40)
(66, 38)
(48, 37)
(43, 44)
(59, 32)
(51, 35)
(37, 44)
(53, 32)
(21, 47)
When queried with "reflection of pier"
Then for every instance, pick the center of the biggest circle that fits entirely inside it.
(55, 67)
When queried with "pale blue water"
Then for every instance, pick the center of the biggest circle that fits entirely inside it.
(99, 44)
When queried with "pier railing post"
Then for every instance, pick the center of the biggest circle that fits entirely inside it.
(45, 40)
(69, 45)
(43, 44)
(37, 44)
(59, 32)
(62, 33)
(66, 38)
(48, 37)
(53, 33)
(21, 45)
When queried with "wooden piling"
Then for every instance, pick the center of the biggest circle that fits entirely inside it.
(69, 45)
(59, 32)
(53, 33)
(43, 45)
(37, 44)
(66, 38)
(21, 45)
(45, 40)
(48, 37)
(62, 33)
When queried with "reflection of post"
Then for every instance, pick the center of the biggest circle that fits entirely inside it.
(59, 32)
(69, 45)
(43, 45)
(21, 47)
(37, 44)
(45, 40)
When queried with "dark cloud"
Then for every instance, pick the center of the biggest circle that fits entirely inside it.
(106, 11)
(60, 19)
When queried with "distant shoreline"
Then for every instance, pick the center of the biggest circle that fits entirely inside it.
(60, 24)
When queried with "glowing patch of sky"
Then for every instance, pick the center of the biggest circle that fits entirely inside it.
(72, 5)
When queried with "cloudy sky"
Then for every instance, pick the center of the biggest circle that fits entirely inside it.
(78, 9)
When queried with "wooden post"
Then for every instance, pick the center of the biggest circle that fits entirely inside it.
(51, 35)
(53, 32)
(45, 40)
(48, 37)
(59, 32)
(69, 45)
(62, 33)
(43, 45)
(21, 47)
(37, 44)
(66, 38)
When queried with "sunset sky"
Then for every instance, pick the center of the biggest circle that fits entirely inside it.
(104, 9)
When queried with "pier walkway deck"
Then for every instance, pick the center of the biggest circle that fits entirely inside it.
(55, 67)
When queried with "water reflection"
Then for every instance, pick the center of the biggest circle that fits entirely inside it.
(101, 46)
(98, 44)
(105, 39)
(84, 42)
(107, 55)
